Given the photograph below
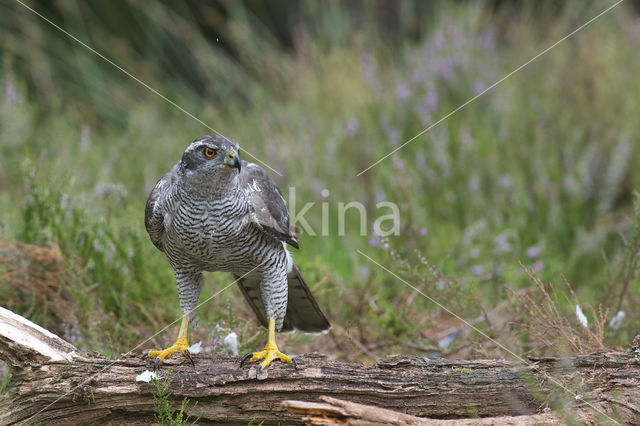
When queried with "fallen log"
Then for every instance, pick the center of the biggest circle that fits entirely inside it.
(335, 411)
(54, 383)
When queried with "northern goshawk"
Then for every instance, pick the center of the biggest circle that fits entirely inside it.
(214, 212)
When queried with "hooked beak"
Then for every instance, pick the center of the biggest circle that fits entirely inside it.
(233, 160)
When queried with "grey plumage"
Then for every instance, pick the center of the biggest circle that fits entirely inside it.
(303, 312)
(216, 214)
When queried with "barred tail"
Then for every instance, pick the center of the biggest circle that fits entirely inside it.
(303, 311)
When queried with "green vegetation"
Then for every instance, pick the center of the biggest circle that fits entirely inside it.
(251, 422)
(165, 413)
(539, 170)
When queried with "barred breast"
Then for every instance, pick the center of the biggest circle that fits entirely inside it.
(217, 234)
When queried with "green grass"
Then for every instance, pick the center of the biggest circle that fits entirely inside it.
(166, 414)
(541, 169)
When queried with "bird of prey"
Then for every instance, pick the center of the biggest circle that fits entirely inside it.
(214, 212)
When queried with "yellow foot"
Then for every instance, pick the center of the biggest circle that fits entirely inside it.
(181, 345)
(269, 353)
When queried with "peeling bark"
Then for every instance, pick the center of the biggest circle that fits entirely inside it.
(69, 387)
(335, 411)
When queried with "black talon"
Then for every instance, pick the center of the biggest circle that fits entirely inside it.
(258, 370)
(188, 355)
(145, 354)
(295, 363)
(156, 364)
(245, 358)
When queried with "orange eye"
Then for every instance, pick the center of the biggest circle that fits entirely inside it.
(209, 152)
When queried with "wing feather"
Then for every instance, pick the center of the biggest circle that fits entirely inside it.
(154, 211)
(267, 203)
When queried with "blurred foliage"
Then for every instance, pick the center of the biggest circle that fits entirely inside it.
(541, 169)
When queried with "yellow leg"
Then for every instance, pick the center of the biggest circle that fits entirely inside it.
(180, 345)
(269, 353)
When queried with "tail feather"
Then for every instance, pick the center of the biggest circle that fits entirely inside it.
(250, 287)
(303, 311)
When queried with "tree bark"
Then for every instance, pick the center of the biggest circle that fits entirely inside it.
(54, 383)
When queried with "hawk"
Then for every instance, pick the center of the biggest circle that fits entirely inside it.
(215, 212)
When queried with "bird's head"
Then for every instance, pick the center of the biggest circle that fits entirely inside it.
(211, 157)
